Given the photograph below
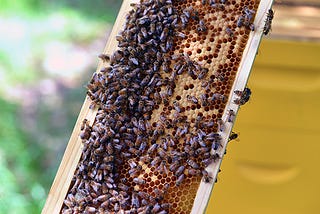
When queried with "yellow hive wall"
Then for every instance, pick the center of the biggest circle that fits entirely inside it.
(285, 85)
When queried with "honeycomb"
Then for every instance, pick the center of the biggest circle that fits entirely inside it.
(161, 97)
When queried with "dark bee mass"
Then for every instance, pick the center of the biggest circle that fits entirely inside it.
(160, 100)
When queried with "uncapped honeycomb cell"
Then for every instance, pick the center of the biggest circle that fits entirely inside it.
(161, 97)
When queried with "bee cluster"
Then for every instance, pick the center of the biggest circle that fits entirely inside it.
(161, 97)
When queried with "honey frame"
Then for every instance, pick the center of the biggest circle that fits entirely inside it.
(72, 154)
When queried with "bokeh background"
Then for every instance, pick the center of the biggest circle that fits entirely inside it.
(48, 52)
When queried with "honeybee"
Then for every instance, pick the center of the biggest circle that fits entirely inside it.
(68, 202)
(204, 100)
(212, 3)
(221, 125)
(207, 161)
(244, 96)
(143, 147)
(146, 159)
(215, 145)
(158, 193)
(252, 27)
(152, 148)
(231, 116)
(198, 121)
(134, 151)
(202, 27)
(180, 180)
(123, 187)
(156, 208)
(249, 13)
(202, 150)
(176, 106)
(216, 156)
(143, 195)
(144, 32)
(155, 161)
(180, 170)
(135, 200)
(134, 61)
(170, 9)
(267, 25)
(165, 98)
(206, 177)
(193, 171)
(193, 164)
(152, 28)
(162, 153)
(135, 171)
(139, 181)
(233, 136)
(109, 185)
(99, 150)
(105, 204)
(86, 130)
(192, 99)
(180, 34)
(84, 124)
(116, 207)
(229, 32)
(166, 187)
(140, 106)
(162, 168)
(186, 12)
(132, 163)
(217, 96)
(96, 187)
(104, 57)
(174, 166)
(202, 143)
(191, 151)
(203, 73)
(90, 209)
(101, 198)
(164, 34)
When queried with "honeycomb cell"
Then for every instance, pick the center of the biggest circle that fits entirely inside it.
(148, 101)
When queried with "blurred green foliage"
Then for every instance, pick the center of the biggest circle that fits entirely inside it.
(105, 10)
(21, 190)
(35, 124)
(39, 22)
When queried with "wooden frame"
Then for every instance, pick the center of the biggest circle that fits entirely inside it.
(205, 189)
(73, 151)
